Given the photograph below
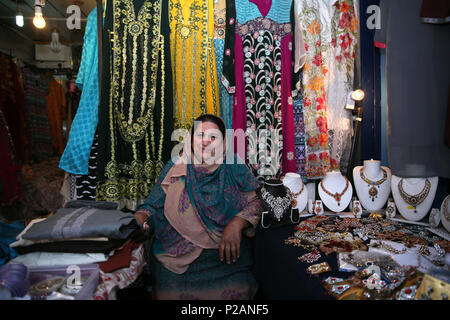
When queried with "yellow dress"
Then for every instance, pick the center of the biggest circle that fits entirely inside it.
(193, 60)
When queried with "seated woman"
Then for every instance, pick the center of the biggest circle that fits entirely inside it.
(201, 211)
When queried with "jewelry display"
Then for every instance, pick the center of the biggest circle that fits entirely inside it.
(310, 257)
(316, 269)
(373, 192)
(318, 208)
(434, 218)
(387, 247)
(339, 289)
(414, 200)
(356, 209)
(332, 280)
(278, 204)
(338, 245)
(298, 243)
(311, 203)
(293, 181)
(390, 209)
(313, 237)
(407, 293)
(337, 195)
(445, 213)
(432, 288)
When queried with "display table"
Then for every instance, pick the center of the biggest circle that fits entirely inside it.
(279, 272)
(282, 276)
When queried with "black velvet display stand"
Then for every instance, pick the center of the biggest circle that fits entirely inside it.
(279, 272)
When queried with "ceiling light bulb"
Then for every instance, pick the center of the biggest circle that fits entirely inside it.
(358, 95)
(55, 45)
(19, 19)
(39, 21)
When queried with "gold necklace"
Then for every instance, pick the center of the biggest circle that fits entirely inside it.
(337, 196)
(414, 200)
(294, 195)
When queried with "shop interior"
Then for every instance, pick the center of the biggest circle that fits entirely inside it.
(355, 201)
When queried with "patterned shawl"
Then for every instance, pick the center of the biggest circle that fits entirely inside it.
(191, 204)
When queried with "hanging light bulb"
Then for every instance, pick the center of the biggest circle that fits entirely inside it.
(39, 21)
(55, 45)
(19, 17)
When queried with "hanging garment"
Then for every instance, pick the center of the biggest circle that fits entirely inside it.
(193, 60)
(225, 99)
(10, 169)
(13, 105)
(135, 119)
(56, 110)
(299, 128)
(329, 36)
(36, 88)
(258, 72)
(76, 154)
(416, 108)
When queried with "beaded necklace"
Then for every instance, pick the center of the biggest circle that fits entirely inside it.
(373, 192)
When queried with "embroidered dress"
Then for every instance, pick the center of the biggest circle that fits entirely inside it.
(135, 120)
(76, 154)
(193, 60)
(329, 33)
(225, 99)
(261, 82)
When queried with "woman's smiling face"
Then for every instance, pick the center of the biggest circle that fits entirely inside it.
(207, 142)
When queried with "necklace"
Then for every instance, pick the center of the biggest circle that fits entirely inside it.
(445, 209)
(337, 196)
(296, 194)
(414, 200)
(373, 192)
(277, 204)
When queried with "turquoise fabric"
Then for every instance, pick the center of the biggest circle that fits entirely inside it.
(280, 11)
(76, 154)
(225, 99)
(8, 234)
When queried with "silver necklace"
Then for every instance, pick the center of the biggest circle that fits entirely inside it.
(277, 204)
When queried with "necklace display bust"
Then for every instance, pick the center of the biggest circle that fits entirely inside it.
(373, 184)
(445, 213)
(414, 196)
(299, 191)
(335, 191)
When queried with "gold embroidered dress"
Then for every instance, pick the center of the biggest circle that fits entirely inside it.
(135, 116)
(193, 60)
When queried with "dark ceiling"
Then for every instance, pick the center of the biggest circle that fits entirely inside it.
(55, 15)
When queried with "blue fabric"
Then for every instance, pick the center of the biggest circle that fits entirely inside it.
(225, 99)
(8, 234)
(76, 154)
(280, 11)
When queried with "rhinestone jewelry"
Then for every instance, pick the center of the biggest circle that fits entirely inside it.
(277, 204)
(373, 192)
(310, 257)
(414, 200)
(337, 196)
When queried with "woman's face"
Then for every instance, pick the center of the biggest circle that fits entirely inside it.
(207, 142)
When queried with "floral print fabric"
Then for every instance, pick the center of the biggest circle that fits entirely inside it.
(329, 31)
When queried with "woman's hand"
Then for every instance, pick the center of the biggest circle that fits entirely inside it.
(230, 245)
(142, 217)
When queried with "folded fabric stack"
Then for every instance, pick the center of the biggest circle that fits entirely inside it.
(83, 232)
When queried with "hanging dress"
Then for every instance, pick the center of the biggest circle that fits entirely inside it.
(193, 60)
(75, 158)
(261, 82)
(225, 98)
(135, 117)
(329, 34)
